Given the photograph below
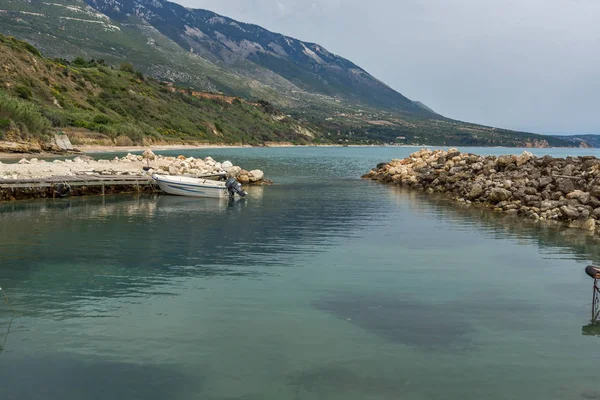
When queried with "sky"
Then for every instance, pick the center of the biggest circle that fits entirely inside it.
(531, 65)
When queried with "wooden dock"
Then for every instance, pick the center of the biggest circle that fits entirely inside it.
(79, 185)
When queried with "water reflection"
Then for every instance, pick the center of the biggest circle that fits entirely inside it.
(90, 248)
(552, 237)
(592, 329)
(7, 332)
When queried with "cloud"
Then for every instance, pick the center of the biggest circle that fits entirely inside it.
(520, 64)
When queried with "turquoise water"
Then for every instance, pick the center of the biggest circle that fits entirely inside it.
(320, 287)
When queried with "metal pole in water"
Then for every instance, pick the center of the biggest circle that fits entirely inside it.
(7, 301)
(594, 273)
(594, 301)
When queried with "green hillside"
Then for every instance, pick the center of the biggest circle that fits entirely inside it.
(118, 104)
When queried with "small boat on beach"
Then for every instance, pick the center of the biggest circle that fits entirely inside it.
(199, 187)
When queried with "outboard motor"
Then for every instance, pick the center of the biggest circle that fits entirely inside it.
(233, 186)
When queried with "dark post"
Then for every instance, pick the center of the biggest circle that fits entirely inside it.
(594, 272)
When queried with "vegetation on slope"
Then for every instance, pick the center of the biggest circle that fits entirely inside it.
(38, 95)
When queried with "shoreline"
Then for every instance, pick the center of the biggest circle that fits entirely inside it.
(92, 149)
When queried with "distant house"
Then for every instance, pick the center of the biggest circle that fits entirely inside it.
(400, 138)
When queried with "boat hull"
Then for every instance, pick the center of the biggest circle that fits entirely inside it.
(179, 186)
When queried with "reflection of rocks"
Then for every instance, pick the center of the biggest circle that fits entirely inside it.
(591, 329)
(535, 188)
(549, 233)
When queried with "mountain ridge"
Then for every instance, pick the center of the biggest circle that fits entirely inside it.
(224, 60)
(221, 39)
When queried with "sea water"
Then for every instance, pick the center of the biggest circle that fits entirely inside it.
(322, 286)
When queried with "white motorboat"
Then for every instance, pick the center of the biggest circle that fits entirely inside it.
(198, 187)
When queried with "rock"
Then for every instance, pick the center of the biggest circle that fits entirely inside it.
(549, 205)
(244, 179)
(583, 197)
(149, 155)
(595, 191)
(226, 165)
(452, 153)
(588, 224)
(596, 212)
(23, 161)
(256, 175)
(569, 212)
(568, 170)
(565, 185)
(233, 172)
(504, 161)
(173, 170)
(476, 192)
(545, 181)
(524, 158)
(497, 195)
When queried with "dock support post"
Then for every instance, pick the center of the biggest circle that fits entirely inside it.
(102, 189)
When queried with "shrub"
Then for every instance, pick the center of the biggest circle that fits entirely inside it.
(32, 49)
(108, 130)
(102, 119)
(56, 118)
(126, 67)
(23, 113)
(135, 132)
(82, 123)
(4, 123)
(24, 92)
(80, 62)
(123, 141)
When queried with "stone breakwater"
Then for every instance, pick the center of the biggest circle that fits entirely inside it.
(539, 188)
(130, 165)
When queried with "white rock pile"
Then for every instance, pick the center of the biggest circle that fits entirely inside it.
(130, 165)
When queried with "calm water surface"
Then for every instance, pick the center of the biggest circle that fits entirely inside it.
(320, 287)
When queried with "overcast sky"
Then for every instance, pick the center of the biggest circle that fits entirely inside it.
(530, 65)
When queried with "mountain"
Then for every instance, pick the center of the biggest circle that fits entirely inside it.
(583, 140)
(96, 103)
(242, 47)
(204, 51)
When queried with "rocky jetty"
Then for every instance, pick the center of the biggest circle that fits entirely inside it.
(130, 165)
(539, 188)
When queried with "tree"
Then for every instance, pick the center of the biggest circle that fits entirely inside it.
(126, 67)
(80, 62)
